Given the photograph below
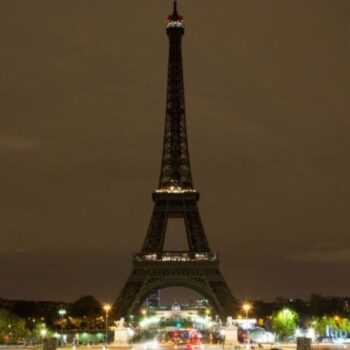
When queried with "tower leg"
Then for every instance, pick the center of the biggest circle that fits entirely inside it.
(156, 232)
(203, 277)
(195, 232)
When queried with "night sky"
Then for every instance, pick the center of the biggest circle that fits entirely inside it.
(82, 102)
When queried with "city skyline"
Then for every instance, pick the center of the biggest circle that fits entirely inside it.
(83, 95)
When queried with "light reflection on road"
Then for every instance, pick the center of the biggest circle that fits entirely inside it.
(183, 347)
(179, 347)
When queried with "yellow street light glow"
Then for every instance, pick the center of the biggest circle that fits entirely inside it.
(246, 307)
(107, 307)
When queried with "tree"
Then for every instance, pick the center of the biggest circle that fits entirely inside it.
(336, 323)
(86, 306)
(12, 327)
(40, 331)
(321, 306)
(284, 323)
(343, 324)
(88, 310)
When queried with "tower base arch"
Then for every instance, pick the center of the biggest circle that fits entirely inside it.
(202, 276)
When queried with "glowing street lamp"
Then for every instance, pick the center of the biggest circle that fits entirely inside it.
(246, 307)
(107, 309)
(62, 313)
(43, 332)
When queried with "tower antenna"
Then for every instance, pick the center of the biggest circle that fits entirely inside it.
(175, 7)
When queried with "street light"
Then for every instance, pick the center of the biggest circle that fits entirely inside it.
(246, 307)
(62, 312)
(107, 308)
(43, 332)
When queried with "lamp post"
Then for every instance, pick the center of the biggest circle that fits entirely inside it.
(62, 313)
(43, 332)
(246, 307)
(107, 309)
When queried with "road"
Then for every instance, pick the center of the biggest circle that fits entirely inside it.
(179, 347)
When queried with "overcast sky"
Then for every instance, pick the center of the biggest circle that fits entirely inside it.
(82, 101)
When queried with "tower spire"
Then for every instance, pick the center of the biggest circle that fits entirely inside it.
(175, 173)
(175, 16)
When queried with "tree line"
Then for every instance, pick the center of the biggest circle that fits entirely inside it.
(31, 319)
(25, 319)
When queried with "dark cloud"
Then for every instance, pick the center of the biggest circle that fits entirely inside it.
(340, 255)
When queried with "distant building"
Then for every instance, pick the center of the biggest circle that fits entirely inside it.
(153, 301)
(176, 312)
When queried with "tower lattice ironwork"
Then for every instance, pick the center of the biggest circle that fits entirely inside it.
(154, 268)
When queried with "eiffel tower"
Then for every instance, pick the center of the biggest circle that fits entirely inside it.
(154, 268)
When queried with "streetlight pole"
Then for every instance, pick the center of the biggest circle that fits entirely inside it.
(246, 307)
(107, 308)
(62, 312)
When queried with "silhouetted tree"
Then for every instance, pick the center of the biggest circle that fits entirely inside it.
(321, 306)
(86, 306)
(12, 327)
